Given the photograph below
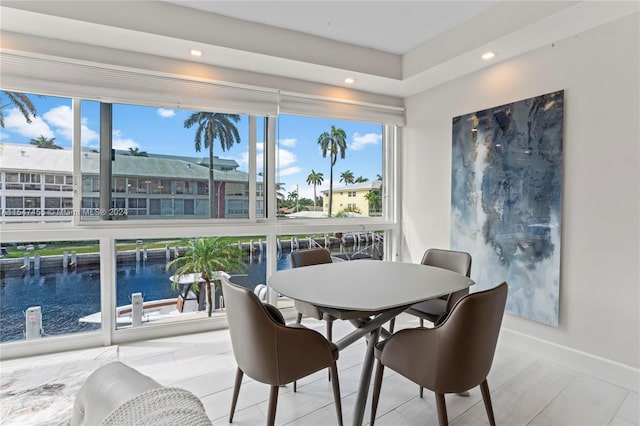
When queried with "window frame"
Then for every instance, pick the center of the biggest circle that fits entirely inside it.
(108, 232)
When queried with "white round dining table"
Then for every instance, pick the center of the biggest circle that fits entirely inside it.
(379, 288)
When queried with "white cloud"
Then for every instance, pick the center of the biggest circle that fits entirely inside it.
(243, 159)
(87, 134)
(289, 142)
(361, 141)
(286, 160)
(61, 119)
(119, 142)
(289, 171)
(166, 113)
(14, 122)
(55, 123)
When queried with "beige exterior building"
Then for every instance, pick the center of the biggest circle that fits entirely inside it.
(352, 198)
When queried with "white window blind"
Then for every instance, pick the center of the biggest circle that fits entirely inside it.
(299, 104)
(60, 77)
(87, 81)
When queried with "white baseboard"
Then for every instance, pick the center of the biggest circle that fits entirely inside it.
(604, 369)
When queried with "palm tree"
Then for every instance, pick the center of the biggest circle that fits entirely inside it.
(347, 177)
(20, 101)
(361, 179)
(315, 179)
(292, 199)
(334, 143)
(374, 200)
(44, 142)
(280, 196)
(212, 125)
(207, 256)
(135, 152)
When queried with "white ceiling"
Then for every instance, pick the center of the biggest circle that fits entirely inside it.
(394, 48)
(390, 26)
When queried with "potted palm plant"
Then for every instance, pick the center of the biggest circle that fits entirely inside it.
(206, 256)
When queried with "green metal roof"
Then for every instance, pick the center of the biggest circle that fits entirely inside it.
(22, 157)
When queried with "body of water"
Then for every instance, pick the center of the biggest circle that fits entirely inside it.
(66, 296)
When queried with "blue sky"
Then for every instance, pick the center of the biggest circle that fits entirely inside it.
(161, 131)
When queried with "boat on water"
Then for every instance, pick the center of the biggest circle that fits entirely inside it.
(163, 309)
(153, 310)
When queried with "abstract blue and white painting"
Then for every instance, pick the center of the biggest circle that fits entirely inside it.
(506, 200)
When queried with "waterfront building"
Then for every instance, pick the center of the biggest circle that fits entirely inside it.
(37, 185)
(354, 199)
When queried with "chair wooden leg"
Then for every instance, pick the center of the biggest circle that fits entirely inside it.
(421, 391)
(236, 392)
(335, 384)
(295, 386)
(329, 336)
(273, 402)
(299, 318)
(442, 410)
(486, 397)
(392, 324)
(377, 385)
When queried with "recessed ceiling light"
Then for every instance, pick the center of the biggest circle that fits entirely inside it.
(488, 55)
(349, 80)
(195, 52)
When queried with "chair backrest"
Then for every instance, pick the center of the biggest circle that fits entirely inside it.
(308, 257)
(253, 333)
(467, 341)
(314, 256)
(456, 261)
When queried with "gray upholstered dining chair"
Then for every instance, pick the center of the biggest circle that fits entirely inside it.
(308, 257)
(269, 351)
(452, 357)
(432, 310)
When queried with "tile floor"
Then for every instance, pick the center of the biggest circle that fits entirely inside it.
(525, 390)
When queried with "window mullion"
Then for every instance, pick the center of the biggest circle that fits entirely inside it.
(106, 124)
(76, 146)
(270, 152)
(252, 167)
(270, 201)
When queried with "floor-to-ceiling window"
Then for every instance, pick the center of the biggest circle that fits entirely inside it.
(139, 182)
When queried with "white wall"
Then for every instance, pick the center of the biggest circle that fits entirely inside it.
(600, 255)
